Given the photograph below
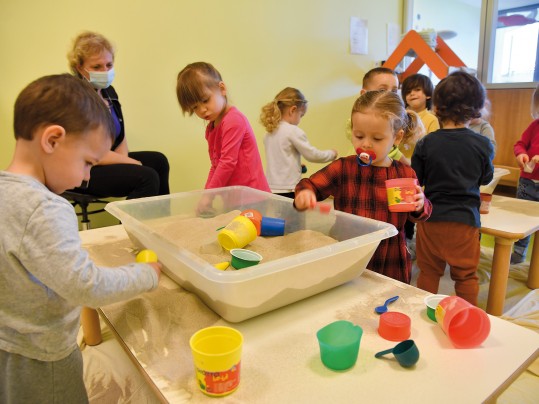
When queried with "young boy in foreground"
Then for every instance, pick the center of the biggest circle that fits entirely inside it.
(62, 128)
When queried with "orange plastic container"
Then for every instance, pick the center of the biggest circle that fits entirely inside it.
(255, 216)
(486, 199)
(400, 194)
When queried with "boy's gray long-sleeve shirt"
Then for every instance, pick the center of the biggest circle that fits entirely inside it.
(46, 275)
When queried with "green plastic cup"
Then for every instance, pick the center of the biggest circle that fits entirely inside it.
(339, 344)
(242, 258)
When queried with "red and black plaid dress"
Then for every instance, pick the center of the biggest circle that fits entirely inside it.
(361, 190)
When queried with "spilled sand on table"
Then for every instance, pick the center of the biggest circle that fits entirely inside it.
(151, 325)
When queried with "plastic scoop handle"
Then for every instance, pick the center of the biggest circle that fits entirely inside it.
(383, 308)
(382, 353)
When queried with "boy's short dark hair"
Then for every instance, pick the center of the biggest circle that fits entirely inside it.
(417, 81)
(62, 100)
(459, 98)
(376, 71)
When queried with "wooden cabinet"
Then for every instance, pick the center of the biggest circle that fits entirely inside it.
(510, 116)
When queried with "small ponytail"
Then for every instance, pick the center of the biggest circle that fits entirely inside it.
(271, 114)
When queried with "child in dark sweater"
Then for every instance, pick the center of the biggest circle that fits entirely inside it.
(451, 163)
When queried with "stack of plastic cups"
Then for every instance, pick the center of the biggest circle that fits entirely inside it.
(265, 226)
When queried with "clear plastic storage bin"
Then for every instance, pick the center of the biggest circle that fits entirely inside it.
(242, 294)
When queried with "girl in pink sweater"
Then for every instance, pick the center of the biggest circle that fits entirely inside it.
(234, 155)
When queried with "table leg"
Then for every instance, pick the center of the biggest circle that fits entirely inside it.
(500, 273)
(91, 328)
(533, 272)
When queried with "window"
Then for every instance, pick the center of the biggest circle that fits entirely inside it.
(515, 45)
(498, 38)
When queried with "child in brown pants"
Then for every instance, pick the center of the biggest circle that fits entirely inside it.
(451, 163)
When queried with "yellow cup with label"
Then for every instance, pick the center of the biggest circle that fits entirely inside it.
(217, 358)
(237, 234)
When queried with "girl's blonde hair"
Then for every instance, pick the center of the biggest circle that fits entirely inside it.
(87, 44)
(193, 83)
(535, 103)
(388, 105)
(271, 114)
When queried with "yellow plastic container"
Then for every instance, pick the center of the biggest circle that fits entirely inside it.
(217, 358)
(237, 234)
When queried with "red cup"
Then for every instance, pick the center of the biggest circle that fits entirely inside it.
(485, 202)
(466, 325)
(400, 194)
(394, 326)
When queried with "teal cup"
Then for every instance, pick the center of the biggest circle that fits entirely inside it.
(405, 352)
(339, 344)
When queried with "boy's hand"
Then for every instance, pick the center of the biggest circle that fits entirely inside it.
(150, 257)
(156, 267)
(305, 199)
(419, 199)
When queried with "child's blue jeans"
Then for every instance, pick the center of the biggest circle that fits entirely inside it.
(528, 190)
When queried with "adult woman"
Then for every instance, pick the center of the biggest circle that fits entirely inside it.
(120, 173)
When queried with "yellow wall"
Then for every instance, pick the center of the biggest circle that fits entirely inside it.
(259, 47)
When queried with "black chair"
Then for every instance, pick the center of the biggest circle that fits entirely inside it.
(84, 201)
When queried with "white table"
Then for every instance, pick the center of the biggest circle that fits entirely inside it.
(281, 361)
(509, 220)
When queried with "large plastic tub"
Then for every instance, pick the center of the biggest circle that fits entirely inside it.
(242, 294)
(498, 174)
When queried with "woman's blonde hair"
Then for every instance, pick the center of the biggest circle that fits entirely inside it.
(86, 44)
(388, 105)
(271, 114)
(193, 82)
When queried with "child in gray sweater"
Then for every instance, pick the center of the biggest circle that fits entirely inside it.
(62, 128)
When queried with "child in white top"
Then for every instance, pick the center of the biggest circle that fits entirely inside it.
(286, 143)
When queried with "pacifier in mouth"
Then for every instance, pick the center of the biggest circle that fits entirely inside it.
(365, 157)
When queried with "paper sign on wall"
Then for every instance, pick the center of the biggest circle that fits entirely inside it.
(359, 36)
(393, 37)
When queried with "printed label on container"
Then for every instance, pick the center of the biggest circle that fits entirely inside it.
(400, 195)
(219, 383)
(439, 314)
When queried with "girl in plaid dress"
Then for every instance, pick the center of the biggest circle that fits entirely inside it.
(379, 121)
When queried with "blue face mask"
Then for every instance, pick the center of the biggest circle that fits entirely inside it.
(101, 80)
